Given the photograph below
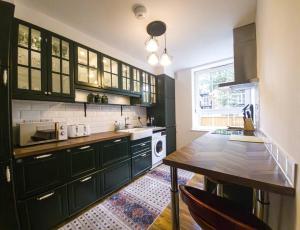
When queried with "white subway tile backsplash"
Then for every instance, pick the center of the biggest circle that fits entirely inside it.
(100, 118)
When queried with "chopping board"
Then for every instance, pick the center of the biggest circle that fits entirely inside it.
(253, 139)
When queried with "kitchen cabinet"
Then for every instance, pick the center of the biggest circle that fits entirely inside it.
(42, 64)
(83, 192)
(60, 71)
(141, 163)
(44, 211)
(37, 174)
(145, 88)
(139, 146)
(114, 151)
(164, 109)
(116, 176)
(110, 73)
(152, 89)
(87, 70)
(136, 80)
(82, 160)
(126, 77)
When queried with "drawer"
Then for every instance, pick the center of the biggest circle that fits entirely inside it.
(116, 176)
(142, 145)
(39, 173)
(114, 151)
(83, 192)
(82, 160)
(141, 163)
(44, 211)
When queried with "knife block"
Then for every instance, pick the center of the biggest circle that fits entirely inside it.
(248, 124)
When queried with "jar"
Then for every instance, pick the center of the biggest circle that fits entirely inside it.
(91, 98)
(98, 99)
(104, 99)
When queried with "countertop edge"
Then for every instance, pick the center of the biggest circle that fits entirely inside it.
(21, 152)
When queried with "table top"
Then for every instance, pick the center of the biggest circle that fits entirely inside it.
(242, 163)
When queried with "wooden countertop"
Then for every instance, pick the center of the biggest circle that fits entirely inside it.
(243, 163)
(70, 143)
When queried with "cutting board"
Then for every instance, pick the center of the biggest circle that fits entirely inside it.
(246, 139)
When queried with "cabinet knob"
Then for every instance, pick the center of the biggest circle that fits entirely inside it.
(46, 93)
(49, 93)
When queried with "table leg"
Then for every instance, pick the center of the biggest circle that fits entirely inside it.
(174, 199)
(261, 204)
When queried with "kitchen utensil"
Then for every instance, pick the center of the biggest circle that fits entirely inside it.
(252, 111)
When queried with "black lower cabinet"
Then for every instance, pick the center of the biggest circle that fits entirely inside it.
(141, 163)
(116, 176)
(38, 174)
(114, 151)
(44, 211)
(82, 160)
(171, 139)
(83, 192)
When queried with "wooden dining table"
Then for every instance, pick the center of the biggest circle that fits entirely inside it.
(242, 163)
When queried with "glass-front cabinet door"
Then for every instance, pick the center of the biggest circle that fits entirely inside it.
(110, 77)
(60, 67)
(126, 77)
(87, 67)
(152, 89)
(145, 88)
(29, 74)
(136, 80)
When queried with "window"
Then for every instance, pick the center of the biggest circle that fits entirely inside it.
(215, 107)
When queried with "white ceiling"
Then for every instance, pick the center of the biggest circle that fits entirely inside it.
(198, 31)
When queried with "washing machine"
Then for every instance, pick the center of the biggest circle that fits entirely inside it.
(158, 147)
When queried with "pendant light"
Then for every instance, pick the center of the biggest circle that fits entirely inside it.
(152, 59)
(151, 44)
(165, 59)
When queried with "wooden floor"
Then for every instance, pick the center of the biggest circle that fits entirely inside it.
(186, 221)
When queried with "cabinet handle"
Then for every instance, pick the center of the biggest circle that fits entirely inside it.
(49, 93)
(43, 156)
(86, 179)
(143, 144)
(8, 175)
(143, 155)
(45, 196)
(84, 147)
(5, 77)
(115, 141)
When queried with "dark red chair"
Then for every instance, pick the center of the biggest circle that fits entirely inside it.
(214, 212)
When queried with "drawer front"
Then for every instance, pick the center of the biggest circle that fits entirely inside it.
(44, 211)
(83, 192)
(114, 151)
(139, 146)
(82, 160)
(116, 176)
(39, 173)
(141, 163)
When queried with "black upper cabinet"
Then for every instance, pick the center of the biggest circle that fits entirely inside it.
(152, 89)
(87, 71)
(110, 73)
(60, 66)
(136, 80)
(126, 77)
(42, 64)
(145, 88)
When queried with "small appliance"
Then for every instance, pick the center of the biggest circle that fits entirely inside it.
(78, 130)
(158, 147)
(32, 133)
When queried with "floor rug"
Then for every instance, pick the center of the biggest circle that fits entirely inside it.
(136, 206)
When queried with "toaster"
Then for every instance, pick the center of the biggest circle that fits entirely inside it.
(78, 130)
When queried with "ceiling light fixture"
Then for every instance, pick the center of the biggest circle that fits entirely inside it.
(165, 59)
(152, 59)
(151, 45)
(156, 29)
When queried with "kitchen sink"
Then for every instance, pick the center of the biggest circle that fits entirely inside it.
(138, 133)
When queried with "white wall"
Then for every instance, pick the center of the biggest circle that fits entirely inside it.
(183, 103)
(44, 21)
(278, 40)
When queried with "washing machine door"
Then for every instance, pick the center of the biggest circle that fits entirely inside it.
(159, 148)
